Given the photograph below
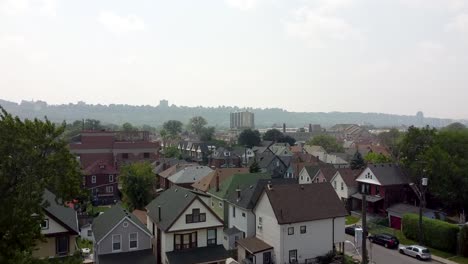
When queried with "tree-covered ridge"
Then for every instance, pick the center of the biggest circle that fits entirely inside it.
(216, 116)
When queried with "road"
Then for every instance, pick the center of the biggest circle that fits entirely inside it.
(382, 255)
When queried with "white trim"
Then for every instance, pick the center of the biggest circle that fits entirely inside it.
(111, 176)
(129, 241)
(128, 219)
(120, 242)
(93, 178)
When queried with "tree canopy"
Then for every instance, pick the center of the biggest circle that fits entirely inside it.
(196, 124)
(34, 157)
(329, 143)
(376, 158)
(173, 127)
(207, 133)
(249, 138)
(391, 139)
(273, 135)
(357, 162)
(137, 180)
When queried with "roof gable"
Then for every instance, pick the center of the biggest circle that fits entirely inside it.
(63, 215)
(211, 218)
(190, 174)
(383, 174)
(237, 180)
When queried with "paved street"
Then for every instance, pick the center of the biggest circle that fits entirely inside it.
(382, 255)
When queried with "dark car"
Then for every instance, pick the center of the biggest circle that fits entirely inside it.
(385, 240)
(351, 230)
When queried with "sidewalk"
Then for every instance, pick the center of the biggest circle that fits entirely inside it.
(442, 260)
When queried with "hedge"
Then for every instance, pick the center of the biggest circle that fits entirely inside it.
(464, 241)
(436, 234)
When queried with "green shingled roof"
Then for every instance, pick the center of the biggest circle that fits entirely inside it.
(65, 214)
(242, 180)
(107, 220)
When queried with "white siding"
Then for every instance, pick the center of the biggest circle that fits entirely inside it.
(367, 176)
(337, 182)
(270, 232)
(211, 220)
(244, 223)
(54, 227)
(304, 177)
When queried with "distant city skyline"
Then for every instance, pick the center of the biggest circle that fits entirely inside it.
(390, 56)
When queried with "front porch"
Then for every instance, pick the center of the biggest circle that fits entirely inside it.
(375, 204)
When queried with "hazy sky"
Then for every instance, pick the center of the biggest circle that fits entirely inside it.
(391, 56)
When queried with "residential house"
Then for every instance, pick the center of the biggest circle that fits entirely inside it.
(316, 174)
(272, 164)
(220, 194)
(101, 178)
(345, 184)
(195, 150)
(59, 227)
(384, 185)
(298, 162)
(86, 232)
(224, 158)
(290, 230)
(186, 230)
(216, 177)
(120, 237)
(164, 182)
(188, 175)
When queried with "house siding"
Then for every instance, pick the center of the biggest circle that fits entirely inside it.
(244, 223)
(144, 240)
(270, 231)
(180, 223)
(47, 248)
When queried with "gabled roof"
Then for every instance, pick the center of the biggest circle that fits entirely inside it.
(328, 172)
(314, 149)
(241, 180)
(100, 167)
(295, 203)
(349, 176)
(389, 174)
(312, 170)
(65, 216)
(174, 169)
(209, 181)
(165, 163)
(107, 221)
(190, 174)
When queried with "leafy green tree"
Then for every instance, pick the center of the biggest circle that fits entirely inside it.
(196, 124)
(413, 146)
(92, 124)
(173, 127)
(249, 138)
(329, 143)
(357, 162)
(172, 152)
(377, 158)
(128, 127)
(137, 180)
(287, 139)
(272, 135)
(34, 157)
(391, 139)
(207, 133)
(455, 126)
(254, 167)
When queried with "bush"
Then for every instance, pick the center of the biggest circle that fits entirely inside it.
(436, 234)
(464, 241)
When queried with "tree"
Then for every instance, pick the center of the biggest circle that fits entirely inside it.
(249, 138)
(287, 139)
(173, 127)
(329, 143)
(172, 152)
(196, 124)
(273, 135)
(137, 180)
(206, 134)
(128, 127)
(357, 162)
(413, 146)
(376, 158)
(391, 139)
(455, 126)
(254, 167)
(34, 157)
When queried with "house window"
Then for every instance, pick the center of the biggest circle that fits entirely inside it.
(111, 178)
(220, 204)
(146, 155)
(61, 245)
(84, 180)
(133, 240)
(185, 241)
(342, 186)
(109, 189)
(90, 233)
(195, 217)
(124, 155)
(293, 256)
(290, 230)
(233, 211)
(301, 178)
(211, 237)
(93, 179)
(116, 242)
(243, 214)
(334, 184)
(377, 190)
(308, 179)
(303, 229)
(212, 204)
(45, 224)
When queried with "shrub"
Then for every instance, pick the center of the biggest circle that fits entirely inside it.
(464, 241)
(436, 234)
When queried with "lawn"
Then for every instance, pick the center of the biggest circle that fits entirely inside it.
(96, 209)
(351, 220)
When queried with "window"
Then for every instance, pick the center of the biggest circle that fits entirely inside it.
(308, 179)
(233, 211)
(45, 224)
(116, 242)
(61, 245)
(124, 155)
(212, 204)
(84, 180)
(185, 241)
(293, 256)
(303, 229)
(195, 217)
(146, 155)
(377, 190)
(133, 240)
(93, 179)
(334, 184)
(109, 189)
(220, 204)
(211, 237)
(259, 220)
(111, 178)
(301, 178)
(342, 186)
(290, 230)
(243, 214)
(90, 233)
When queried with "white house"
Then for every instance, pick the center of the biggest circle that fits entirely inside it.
(186, 230)
(345, 184)
(295, 224)
(308, 173)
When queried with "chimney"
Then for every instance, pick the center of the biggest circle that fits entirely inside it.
(217, 182)
(238, 190)
(310, 128)
(284, 127)
(159, 213)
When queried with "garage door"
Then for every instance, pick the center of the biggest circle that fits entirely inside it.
(395, 222)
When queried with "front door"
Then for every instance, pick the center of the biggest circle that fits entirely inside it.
(267, 258)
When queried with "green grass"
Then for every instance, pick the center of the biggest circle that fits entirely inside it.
(96, 209)
(460, 260)
(351, 220)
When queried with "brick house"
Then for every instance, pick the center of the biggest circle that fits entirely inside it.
(101, 178)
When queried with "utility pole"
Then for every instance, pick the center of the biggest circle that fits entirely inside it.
(364, 228)
(422, 204)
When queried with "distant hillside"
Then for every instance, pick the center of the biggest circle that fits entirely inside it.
(216, 116)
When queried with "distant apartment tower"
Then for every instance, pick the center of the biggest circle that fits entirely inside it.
(163, 103)
(242, 120)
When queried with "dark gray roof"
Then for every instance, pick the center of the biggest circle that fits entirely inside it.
(135, 257)
(312, 170)
(250, 194)
(190, 174)
(107, 220)
(65, 215)
(173, 202)
(402, 209)
(232, 231)
(198, 255)
(389, 174)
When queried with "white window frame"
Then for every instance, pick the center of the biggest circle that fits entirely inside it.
(93, 179)
(342, 186)
(109, 189)
(46, 225)
(111, 177)
(120, 242)
(129, 241)
(220, 204)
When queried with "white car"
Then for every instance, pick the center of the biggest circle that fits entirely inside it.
(415, 251)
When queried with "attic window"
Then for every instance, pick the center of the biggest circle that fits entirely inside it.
(102, 166)
(125, 224)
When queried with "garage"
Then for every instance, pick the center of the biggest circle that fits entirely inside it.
(395, 222)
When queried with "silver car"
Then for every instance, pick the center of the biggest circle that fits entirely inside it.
(415, 251)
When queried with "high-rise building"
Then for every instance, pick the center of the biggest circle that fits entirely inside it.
(242, 120)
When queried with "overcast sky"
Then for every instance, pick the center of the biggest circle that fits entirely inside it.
(390, 56)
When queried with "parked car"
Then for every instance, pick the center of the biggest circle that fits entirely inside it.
(415, 251)
(385, 240)
(351, 230)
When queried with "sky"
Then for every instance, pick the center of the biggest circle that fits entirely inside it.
(389, 56)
